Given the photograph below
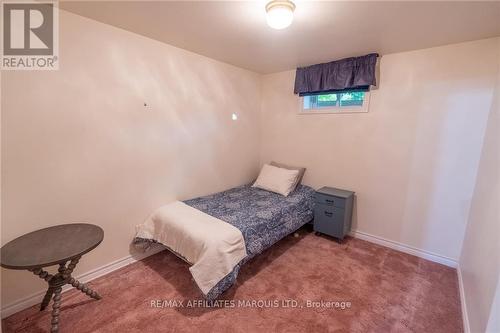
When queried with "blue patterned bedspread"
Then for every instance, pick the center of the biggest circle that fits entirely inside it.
(263, 218)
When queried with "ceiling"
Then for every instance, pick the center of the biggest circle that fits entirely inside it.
(236, 31)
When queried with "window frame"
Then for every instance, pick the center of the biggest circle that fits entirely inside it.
(337, 109)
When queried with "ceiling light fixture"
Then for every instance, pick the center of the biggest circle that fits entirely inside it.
(279, 13)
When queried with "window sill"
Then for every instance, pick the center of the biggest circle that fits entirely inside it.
(330, 111)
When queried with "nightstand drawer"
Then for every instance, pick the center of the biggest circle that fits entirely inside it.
(329, 200)
(329, 221)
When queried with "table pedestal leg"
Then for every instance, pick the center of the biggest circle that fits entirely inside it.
(56, 282)
(84, 289)
(46, 299)
(48, 295)
(55, 311)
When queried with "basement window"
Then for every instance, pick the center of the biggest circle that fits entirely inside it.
(341, 102)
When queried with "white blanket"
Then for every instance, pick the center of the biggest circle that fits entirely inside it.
(213, 246)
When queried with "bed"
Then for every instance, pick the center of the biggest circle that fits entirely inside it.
(262, 217)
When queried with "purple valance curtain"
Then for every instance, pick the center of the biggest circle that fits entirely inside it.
(356, 73)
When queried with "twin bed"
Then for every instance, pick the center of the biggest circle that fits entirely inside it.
(218, 233)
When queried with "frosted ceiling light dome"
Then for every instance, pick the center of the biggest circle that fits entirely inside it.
(279, 13)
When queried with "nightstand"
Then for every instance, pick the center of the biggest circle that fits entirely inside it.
(333, 211)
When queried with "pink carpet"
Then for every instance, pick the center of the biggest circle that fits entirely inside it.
(388, 291)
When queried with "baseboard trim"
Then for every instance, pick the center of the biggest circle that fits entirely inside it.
(36, 298)
(463, 304)
(405, 248)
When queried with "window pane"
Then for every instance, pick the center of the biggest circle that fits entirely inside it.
(327, 100)
(308, 102)
(320, 101)
(352, 98)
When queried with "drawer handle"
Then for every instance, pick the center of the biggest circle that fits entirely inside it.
(329, 201)
(329, 214)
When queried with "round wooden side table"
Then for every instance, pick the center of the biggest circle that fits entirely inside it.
(61, 245)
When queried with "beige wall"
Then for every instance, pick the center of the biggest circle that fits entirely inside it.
(78, 144)
(480, 259)
(412, 159)
(494, 320)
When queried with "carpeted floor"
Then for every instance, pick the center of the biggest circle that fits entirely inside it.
(378, 290)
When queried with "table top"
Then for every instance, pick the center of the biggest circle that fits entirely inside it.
(50, 246)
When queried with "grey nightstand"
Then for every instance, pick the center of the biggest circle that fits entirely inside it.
(333, 211)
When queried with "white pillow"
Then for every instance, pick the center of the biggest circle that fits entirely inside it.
(278, 180)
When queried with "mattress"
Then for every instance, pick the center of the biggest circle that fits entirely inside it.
(263, 218)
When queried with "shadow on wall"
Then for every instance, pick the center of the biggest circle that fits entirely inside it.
(192, 122)
(445, 157)
(354, 223)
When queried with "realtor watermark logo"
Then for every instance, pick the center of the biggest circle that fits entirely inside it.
(30, 35)
(252, 303)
